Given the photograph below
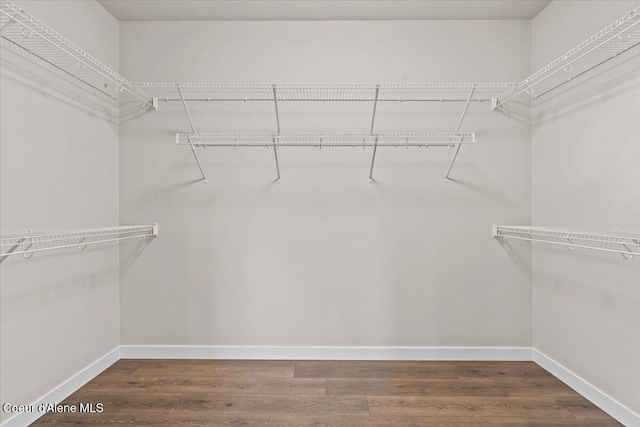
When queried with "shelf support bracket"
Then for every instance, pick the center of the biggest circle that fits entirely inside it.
(464, 113)
(8, 25)
(275, 153)
(375, 107)
(12, 248)
(193, 129)
(373, 159)
(275, 103)
(275, 148)
(373, 121)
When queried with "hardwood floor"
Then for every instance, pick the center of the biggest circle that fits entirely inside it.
(328, 393)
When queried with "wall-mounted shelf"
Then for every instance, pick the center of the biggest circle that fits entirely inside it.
(274, 93)
(609, 43)
(328, 140)
(28, 243)
(23, 30)
(320, 140)
(626, 244)
(422, 92)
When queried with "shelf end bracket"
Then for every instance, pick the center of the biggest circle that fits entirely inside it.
(464, 113)
(193, 129)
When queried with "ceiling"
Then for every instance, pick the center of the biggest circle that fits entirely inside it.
(318, 10)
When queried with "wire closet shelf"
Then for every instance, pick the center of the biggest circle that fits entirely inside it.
(28, 243)
(319, 140)
(246, 92)
(616, 39)
(21, 29)
(626, 244)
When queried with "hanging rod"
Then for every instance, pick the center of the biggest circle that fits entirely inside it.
(617, 38)
(319, 140)
(28, 243)
(245, 92)
(23, 30)
(626, 244)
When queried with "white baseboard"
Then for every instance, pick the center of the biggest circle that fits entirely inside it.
(324, 353)
(605, 402)
(65, 389)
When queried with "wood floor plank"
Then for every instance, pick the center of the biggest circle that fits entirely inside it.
(125, 401)
(153, 420)
(547, 386)
(273, 404)
(204, 363)
(123, 367)
(412, 387)
(222, 368)
(494, 407)
(374, 369)
(540, 422)
(240, 385)
(584, 410)
(120, 382)
(368, 421)
(501, 370)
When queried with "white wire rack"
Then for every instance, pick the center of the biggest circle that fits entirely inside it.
(276, 94)
(626, 244)
(620, 37)
(28, 243)
(240, 92)
(21, 29)
(319, 140)
(328, 140)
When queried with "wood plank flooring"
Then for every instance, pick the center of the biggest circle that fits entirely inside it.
(328, 393)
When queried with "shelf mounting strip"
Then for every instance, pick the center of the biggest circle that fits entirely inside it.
(625, 244)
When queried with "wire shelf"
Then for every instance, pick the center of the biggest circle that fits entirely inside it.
(428, 139)
(244, 92)
(24, 31)
(626, 244)
(28, 243)
(618, 38)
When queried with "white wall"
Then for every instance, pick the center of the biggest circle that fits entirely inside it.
(58, 170)
(325, 258)
(585, 156)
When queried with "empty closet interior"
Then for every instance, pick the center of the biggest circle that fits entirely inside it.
(413, 181)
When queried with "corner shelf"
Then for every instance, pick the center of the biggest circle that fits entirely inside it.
(26, 32)
(625, 244)
(619, 37)
(28, 243)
